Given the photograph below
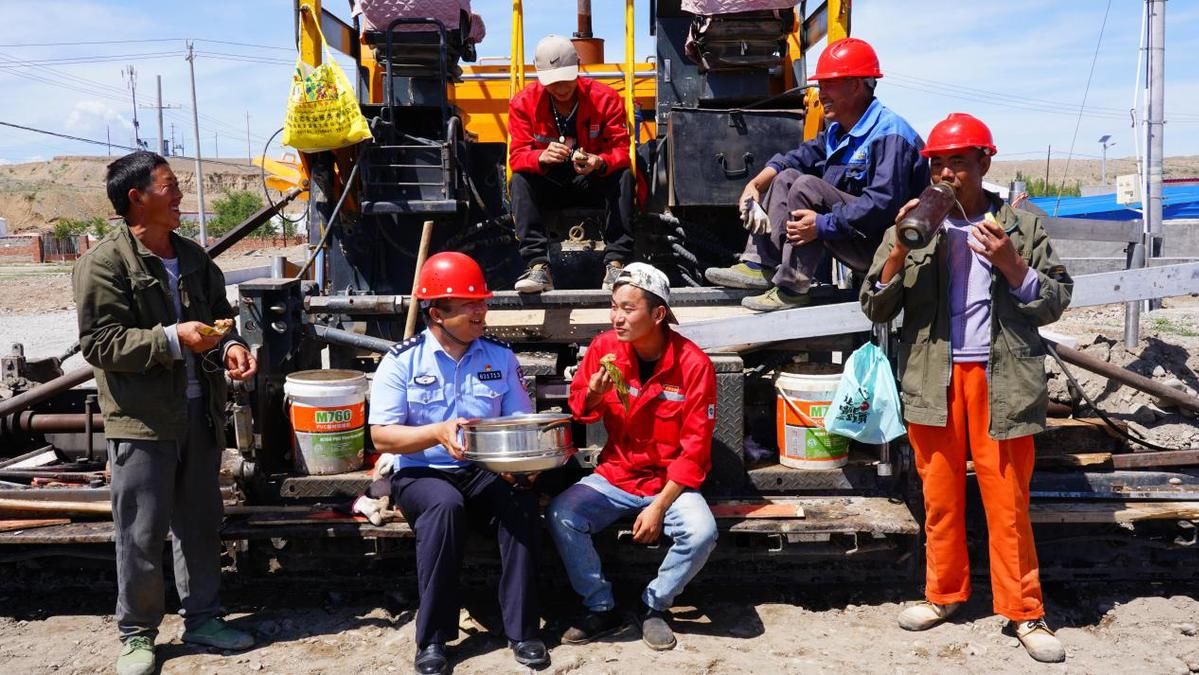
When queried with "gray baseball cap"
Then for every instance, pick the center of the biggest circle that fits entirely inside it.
(556, 60)
(649, 279)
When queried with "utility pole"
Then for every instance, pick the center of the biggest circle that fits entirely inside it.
(1048, 154)
(216, 145)
(129, 73)
(171, 150)
(191, 63)
(249, 150)
(163, 148)
(108, 138)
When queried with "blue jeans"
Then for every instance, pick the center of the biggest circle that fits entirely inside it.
(593, 504)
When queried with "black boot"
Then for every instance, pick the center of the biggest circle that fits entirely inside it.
(592, 625)
(655, 632)
(432, 660)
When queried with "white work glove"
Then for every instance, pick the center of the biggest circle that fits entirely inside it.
(383, 466)
(754, 217)
(377, 511)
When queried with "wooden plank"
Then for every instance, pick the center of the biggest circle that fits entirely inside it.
(1139, 460)
(14, 525)
(1112, 512)
(1074, 460)
(763, 509)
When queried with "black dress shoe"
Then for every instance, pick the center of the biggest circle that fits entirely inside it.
(432, 660)
(592, 625)
(530, 652)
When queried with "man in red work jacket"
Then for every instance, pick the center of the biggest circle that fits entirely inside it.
(659, 414)
(568, 146)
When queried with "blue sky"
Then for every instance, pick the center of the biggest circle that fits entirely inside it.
(1021, 65)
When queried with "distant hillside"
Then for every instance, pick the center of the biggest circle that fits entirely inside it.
(34, 195)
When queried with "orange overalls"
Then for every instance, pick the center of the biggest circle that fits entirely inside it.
(1003, 470)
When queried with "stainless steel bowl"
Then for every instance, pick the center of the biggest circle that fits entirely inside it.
(519, 443)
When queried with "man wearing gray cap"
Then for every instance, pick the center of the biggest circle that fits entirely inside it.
(655, 392)
(568, 146)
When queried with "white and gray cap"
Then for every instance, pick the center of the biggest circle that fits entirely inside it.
(556, 60)
(649, 279)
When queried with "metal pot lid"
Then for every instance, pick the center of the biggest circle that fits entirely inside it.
(522, 420)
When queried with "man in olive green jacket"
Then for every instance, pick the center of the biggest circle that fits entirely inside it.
(972, 373)
(147, 301)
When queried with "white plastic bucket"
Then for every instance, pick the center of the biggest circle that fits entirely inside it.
(803, 400)
(327, 411)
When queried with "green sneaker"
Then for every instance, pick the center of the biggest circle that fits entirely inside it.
(776, 298)
(137, 656)
(740, 275)
(216, 633)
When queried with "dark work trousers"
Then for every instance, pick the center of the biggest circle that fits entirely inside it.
(159, 486)
(797, 265)
(437, 505)
(561, 188)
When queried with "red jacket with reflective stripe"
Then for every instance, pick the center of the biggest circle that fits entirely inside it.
(667, 432)
(600, 126)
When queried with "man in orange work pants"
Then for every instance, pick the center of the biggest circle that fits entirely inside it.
(973, 377)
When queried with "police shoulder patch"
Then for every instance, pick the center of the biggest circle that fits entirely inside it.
(404, 346)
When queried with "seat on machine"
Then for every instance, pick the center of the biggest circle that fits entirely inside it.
(416, 45)
(739, 34)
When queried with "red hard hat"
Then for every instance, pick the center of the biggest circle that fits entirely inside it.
(956, 132)
(849, 57)
(451, 275)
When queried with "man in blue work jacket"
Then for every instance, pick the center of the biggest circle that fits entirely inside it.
(424, 390)
(836, 194)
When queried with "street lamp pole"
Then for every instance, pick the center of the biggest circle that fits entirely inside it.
(1103, 141)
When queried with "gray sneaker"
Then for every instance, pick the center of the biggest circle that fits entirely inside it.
(776, 298)
(535, 279)
(740, 275)
(611, 272)
(137, 656)
(216, 633)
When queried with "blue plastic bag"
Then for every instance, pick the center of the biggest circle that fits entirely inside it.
(866, 406)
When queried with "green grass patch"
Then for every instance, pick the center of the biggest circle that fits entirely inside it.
(1167, 326)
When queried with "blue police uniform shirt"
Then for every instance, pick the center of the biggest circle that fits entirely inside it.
(418, 383)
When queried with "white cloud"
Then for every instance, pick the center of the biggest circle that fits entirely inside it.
(91, 116)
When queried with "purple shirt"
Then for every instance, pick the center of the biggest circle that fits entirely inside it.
(970, 294)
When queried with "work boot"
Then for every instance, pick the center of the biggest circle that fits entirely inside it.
(742, 275)
(431, 660)
(774, 299)
(925, 615)
(611, 272)
(137, 656)
(535, 279)
(216, 633)
(529, 652)
(655, 632)
(590, 626)
(1038, 640)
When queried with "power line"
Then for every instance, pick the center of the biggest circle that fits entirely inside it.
(128, 42)
(1085, 92)
(105, 143)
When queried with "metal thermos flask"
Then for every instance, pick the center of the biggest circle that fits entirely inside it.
(922, 222)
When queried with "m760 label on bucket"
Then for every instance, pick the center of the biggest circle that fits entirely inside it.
(327, 419)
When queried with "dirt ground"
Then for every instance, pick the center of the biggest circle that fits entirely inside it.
(1106, 629)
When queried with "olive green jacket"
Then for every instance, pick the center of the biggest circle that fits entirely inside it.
(122, 298)
(1016, 367)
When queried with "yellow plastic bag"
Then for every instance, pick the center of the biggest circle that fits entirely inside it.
(322, 110)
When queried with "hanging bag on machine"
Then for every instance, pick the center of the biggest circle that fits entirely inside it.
(322, 109)
(866, 406)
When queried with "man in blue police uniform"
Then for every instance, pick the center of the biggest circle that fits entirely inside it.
(424, 390)
(833, 195)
